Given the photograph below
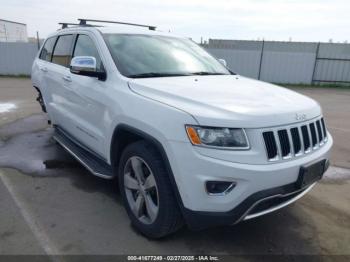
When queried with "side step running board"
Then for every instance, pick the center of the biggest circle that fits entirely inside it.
(93, 163)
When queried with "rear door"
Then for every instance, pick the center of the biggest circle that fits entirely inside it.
(60, 82)
(40, 73)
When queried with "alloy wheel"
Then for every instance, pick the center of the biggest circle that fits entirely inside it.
(141, 190)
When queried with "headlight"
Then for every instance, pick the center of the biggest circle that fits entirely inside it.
(219, 137)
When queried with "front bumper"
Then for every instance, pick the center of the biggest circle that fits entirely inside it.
(254, 185)
(198, 220)
(273, 203)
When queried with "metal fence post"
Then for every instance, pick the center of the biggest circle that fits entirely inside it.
(315, 64)
(38, 39)
(261, 58)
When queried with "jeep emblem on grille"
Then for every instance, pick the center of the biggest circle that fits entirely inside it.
(300, 117)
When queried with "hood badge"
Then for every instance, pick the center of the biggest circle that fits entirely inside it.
(300, 117)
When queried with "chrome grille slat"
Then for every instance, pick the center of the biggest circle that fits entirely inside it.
(317, 137)
(294, 141)
(324, 129)
(291, 142)
(278, 144)
(310, 137)
(301, 140)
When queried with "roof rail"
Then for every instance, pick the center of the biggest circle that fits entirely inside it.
(65, 25)
(83, 23)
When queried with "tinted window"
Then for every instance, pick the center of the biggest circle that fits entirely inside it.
(46, 52)
(86, 47)
(62, 53)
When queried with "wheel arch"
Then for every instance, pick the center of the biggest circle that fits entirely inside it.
(124, 135)
(40, 99)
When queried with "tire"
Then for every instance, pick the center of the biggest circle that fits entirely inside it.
(145, 159)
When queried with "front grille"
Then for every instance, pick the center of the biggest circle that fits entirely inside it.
(285, 146)
(319, 131)
(296, 140)
(313, 134)
(306, 138)
(283, 143)
(271, 145)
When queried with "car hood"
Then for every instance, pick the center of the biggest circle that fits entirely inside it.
(232, 100)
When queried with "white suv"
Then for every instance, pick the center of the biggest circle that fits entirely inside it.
(189, 140)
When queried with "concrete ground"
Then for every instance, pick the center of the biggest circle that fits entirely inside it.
(50, 204)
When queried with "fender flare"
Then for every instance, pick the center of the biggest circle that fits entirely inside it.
(158, 145)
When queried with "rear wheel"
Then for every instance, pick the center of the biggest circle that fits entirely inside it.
(146, 191)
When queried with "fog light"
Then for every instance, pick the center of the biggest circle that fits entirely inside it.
(219, 187)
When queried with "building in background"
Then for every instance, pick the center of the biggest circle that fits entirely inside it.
(13, 31)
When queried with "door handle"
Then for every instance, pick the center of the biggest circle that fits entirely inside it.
(67, 78)
(44, 69)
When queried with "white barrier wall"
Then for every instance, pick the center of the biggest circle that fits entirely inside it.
(285, 62)
(17, 58)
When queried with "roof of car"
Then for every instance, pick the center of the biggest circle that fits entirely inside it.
(115, 29)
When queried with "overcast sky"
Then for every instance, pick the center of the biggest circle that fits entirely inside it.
(300, 20)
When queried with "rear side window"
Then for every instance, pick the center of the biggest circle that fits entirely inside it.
(46, 52)
(86, 47)
(63, 50)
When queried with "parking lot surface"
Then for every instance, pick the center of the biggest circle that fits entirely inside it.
(50, 204)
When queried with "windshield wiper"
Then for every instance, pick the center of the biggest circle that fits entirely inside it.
(153, 74)
(207, 73)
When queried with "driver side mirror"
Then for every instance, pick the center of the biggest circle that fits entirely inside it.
(86, 66)
(223, 62)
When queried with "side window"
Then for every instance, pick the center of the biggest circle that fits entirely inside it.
(46, 52)
(86, 47)
(63, 50)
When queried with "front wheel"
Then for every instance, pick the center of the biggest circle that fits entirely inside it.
(146, 191)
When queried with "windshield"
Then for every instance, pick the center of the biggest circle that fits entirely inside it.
(157, 56)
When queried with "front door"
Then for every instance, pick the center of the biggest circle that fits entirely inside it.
(86, 100)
